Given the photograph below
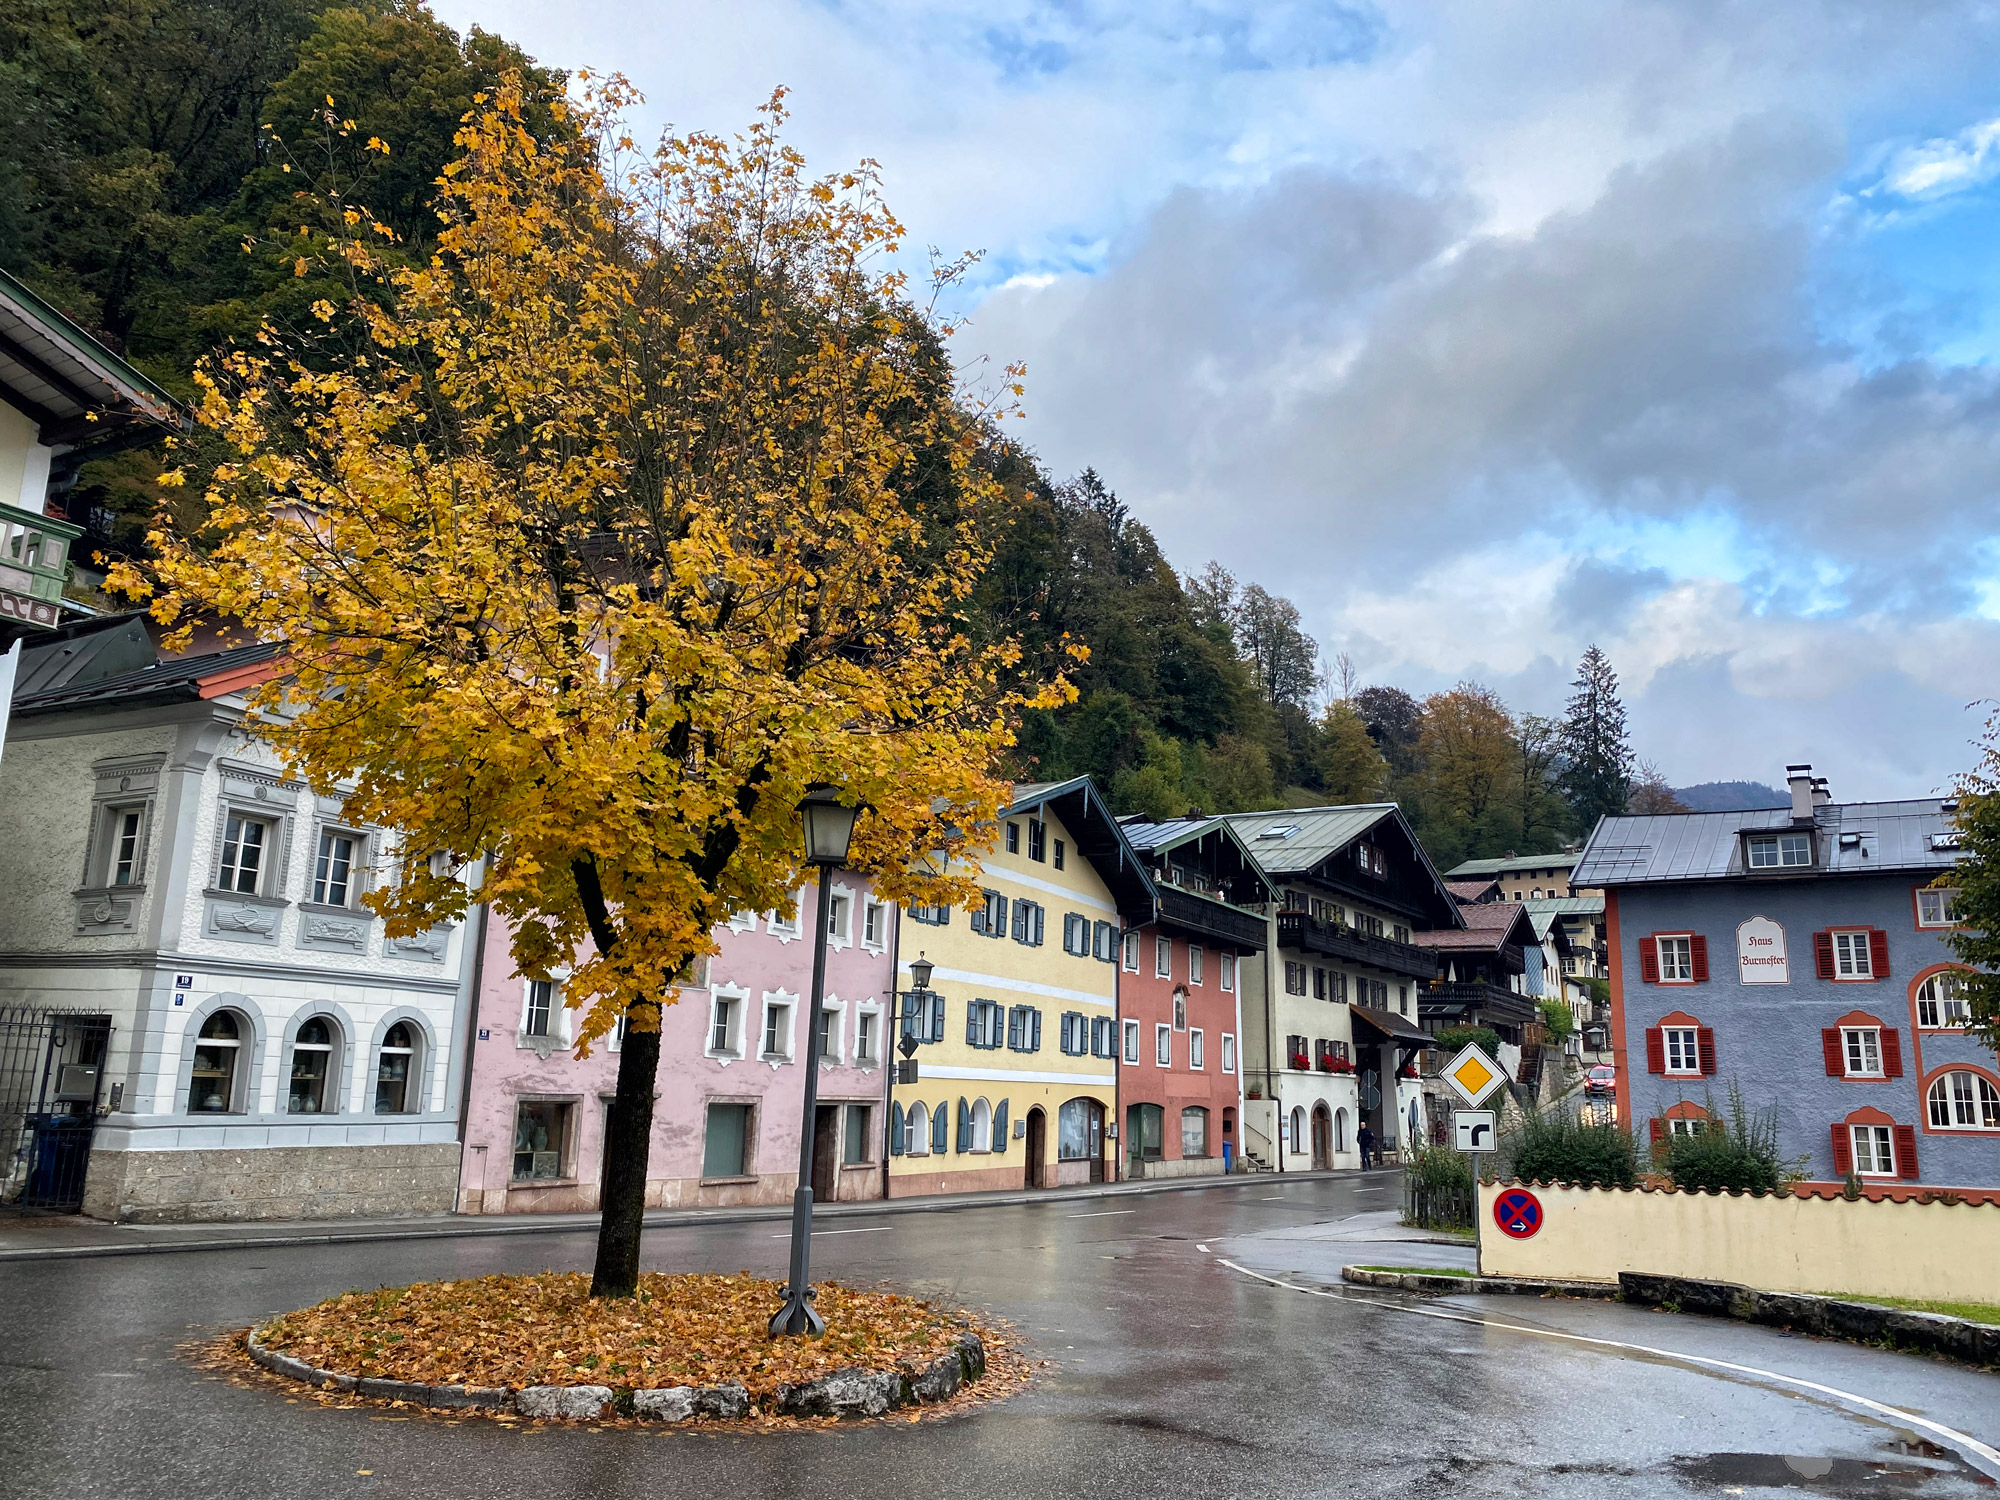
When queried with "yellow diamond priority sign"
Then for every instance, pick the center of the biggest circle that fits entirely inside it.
(1473, 1075)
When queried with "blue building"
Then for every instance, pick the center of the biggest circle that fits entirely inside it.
(1799, 953)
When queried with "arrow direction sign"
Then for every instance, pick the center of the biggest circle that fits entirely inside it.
(1473, 1075)
(1472, 1129)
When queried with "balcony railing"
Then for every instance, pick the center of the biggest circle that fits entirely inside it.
(1337, 940)
(1450, 1001)
(1211, 918)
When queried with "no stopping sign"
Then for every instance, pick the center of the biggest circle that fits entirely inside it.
(1518, 1213)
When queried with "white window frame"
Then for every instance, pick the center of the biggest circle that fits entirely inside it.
(742, 921)
(1130, 953)
(982, 1117)
(836, 1055)
(1980, 1091)
(840, 920)
(1194, 963)
(1940, 1001)
(357, 861)
(1197, 1053)
(1853, 957)
(107, 858)
(788, 931)
(1784, 845)
(1293, 966)
(1858, 1044)
(868, 1057)
(558, 1017)
(1691, 1051)
(1228, 1052)
(917, 1139)
(1681, 970)
(270, 867)
(739, 1009)
(775, 1000)
(1940, 899)
(1163, 1045)
(1163, 956)
(1881, 1150)
(1131, 1029)
(876, 914)
(1227, 978)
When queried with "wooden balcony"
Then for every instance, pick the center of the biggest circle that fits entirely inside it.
(1463, 1001)
(1207, 917)
(1336, 940)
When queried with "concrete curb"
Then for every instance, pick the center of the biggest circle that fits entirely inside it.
(1956, 1339)
(474, 1226)
(848, 1392)
(1515, 1286)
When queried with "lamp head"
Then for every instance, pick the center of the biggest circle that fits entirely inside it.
(920, 973)
(828, 824)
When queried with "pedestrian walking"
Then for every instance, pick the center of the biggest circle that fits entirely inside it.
(1365, 1139)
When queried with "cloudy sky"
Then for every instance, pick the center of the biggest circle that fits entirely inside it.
(1484, 329)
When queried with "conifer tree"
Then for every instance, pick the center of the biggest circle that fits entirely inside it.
(1597, 775)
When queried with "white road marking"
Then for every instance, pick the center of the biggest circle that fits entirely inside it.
(1202, 1248)
(1979, 1455)
(1272, 1198)
(878, 1229)
(1372, 1190)
(1108, 1213)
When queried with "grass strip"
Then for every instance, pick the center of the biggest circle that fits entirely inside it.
(1971, 1312)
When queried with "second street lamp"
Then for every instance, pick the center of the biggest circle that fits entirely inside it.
(829, 828)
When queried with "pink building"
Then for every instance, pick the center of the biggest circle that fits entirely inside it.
(726, 1123)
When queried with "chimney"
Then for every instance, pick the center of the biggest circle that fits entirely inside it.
(1800, 780)
(1821, 795)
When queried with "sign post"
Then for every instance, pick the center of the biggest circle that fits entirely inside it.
(1473, 1076)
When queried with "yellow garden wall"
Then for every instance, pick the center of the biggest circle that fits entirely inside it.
(1873, 1247)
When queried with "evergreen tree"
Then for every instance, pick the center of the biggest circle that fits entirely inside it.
(1597, 773)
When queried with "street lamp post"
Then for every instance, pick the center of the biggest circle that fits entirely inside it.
(829, 827)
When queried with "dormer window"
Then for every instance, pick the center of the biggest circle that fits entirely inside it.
(1371, 860)
(1779, 851)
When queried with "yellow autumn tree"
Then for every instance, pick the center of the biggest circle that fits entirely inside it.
(649, 503)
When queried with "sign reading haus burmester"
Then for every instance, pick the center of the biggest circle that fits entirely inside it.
(262, 1048)
(1800, 954)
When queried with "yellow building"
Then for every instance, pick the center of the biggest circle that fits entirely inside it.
(1017, 1037)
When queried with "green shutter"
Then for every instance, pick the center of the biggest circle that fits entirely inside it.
(895, 1130)
(1000, 1127)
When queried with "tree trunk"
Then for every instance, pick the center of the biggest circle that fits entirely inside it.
(628, 1140)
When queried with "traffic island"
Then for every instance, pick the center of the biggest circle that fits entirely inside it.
(1447, 1282)
(689, 1348)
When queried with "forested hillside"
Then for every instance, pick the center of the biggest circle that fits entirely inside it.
(151, 156)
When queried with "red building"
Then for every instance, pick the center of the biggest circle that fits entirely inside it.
(1180, 998)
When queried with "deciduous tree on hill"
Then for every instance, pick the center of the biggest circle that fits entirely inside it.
(595, 541)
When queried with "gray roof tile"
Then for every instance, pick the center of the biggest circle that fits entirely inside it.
(1855, 838)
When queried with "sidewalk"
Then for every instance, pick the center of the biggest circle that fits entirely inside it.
(27, 1235)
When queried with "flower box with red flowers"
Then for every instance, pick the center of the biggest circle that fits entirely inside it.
(1299, 1062)
(1338, 1065)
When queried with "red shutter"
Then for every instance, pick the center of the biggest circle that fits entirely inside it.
(1878, 952)
(1836, 1056)
(1649, 961)
(1892, 1052)
(1906, 1152)
(1656, 1050)
(1658, 1128)
(1843, 1146)
(1823, 953)
(1704, 1041)
(1698, 945)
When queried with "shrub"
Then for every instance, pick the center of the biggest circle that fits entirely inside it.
(1453, 1038)
(1440, 1167)
(1556, 1146)
(1738, 1152)
(1558, 1018)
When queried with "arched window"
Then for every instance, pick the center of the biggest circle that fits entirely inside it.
(1941, 1001)
(1298, 1130)
(1340, 1130)
(313, 1089)
(215, 1086)
(917, 1124)
(982, 1125)
(394, 1075)
(1962, 1100)
(1079, 1130)
(1194, 1131)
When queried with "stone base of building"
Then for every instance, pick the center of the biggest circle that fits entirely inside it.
(857, 1184)
(1194, 1166)
(1012, 1178)
(281, 1182)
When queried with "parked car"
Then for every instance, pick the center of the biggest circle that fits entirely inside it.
(1601, 1080)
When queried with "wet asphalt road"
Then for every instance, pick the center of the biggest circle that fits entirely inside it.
(1172, 1372)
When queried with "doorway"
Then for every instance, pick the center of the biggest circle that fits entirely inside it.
(826, 1152)
(1322, 1139)
(1080, 1135)
(1038, 1147)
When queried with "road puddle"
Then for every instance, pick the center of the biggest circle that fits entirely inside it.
(1916, 1466)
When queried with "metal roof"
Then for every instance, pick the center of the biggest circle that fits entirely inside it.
(1565, 906)
(1853, 838)
(1162, 838)
(1466, 869)
(173, 679)
(1097, 837)
(1294, 840)
(76, 391)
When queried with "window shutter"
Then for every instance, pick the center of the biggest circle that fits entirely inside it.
(937, 1018)
(1035, 937)
(1892, 1052)
(1649, 960)
(895, 1130)
(1704, 1040)
(999, 917)
(979, 920)
(964, 1125)
(1836, 1056)
(1656, 1050)
(1014, 1028)
(1021, 921)
(1878, 952)
(1000, 1127)
(1657, 1128)
(1906, 1152)
(1823, 954)
(1034, 1031)
(1698, 947)
(939, 1139)
(972, 1024)
(1843, 1153)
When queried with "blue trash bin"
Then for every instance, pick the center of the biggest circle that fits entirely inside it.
(1228, 1157)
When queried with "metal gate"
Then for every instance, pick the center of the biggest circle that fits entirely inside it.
(51, 1078)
